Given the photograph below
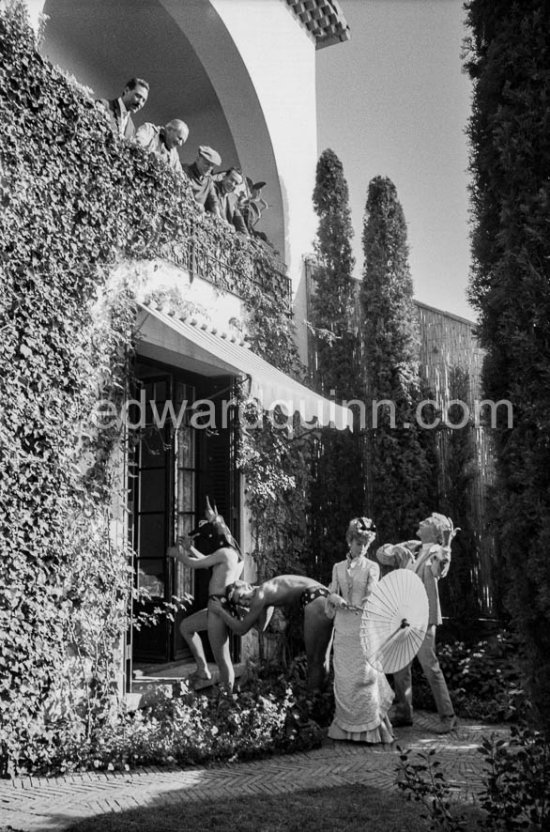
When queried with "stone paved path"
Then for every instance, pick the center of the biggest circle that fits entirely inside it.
(36, 804)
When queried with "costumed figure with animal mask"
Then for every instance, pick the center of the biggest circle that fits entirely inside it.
(226, 561)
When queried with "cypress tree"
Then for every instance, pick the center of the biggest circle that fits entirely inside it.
(402, 484)
(337, 491)
(510, 286)
(333, 300)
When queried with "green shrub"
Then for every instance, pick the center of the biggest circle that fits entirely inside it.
(423, 781)
(484, 679)
(184, 728)
(516, 785)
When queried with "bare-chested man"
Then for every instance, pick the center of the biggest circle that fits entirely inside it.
(227, 565)
(281, 591)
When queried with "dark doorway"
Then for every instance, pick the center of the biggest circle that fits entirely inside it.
(184, 450)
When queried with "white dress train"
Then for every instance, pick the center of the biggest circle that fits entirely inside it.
(362, 694)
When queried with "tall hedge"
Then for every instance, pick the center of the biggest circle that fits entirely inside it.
(402, 479)
(337, 488)
(509, 131)
(75, 202)
(462, 590)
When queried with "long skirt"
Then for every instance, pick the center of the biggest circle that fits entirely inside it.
(362, 694)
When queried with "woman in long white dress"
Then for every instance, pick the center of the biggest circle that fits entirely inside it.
(362, 694)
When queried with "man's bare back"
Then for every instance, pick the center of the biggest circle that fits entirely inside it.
(278, 592)
(282, 590)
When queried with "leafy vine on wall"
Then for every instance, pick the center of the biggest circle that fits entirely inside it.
(76, 203)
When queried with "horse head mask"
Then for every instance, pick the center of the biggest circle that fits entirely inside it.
(212, 532)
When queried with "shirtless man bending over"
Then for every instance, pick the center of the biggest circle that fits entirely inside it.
(227, 566)
(278, 592)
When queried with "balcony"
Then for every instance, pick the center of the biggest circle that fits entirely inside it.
(164, 221)
(230, 261)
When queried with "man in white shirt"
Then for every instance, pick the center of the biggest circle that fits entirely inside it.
(164, 141)
(133, 98)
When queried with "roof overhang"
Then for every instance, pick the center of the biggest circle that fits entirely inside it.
(324, 19)
(196, 347)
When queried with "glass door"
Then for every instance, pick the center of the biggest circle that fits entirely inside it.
(151, 480)
(176, 463)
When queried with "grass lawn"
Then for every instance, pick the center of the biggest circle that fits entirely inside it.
(341, 809)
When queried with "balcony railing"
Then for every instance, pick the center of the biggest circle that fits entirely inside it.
(230, 261)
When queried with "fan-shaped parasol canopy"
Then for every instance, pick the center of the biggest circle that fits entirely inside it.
(394, 621)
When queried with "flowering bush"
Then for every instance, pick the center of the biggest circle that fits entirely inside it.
(186, 728)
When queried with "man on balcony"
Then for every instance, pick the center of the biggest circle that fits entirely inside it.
(164, 141)
(200, 176)
(229, 201)
(133, 98)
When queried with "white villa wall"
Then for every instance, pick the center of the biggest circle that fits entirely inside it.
(280, 58)
(35, 8)
(216, 307)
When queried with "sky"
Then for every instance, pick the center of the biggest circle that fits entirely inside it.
(394, 101)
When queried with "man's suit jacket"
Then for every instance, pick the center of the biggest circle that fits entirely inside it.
(229, 209)
(203, 188)
(114, 111)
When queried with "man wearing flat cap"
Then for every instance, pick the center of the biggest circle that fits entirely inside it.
(199, 174)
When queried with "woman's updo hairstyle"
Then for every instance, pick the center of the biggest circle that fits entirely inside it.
(361, 529)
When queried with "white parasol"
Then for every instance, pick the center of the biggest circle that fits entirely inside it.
(394, 621)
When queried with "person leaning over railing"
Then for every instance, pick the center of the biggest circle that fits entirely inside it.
(133, 98)
(229, 200)
(200, 177)
(164, 141)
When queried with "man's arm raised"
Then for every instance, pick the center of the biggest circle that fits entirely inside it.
(196, 560)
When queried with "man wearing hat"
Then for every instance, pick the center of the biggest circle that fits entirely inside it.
(164, 141)
(199, 174)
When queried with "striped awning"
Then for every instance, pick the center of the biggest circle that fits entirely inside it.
(199, 348)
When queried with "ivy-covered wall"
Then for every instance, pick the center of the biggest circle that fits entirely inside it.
(75, 201)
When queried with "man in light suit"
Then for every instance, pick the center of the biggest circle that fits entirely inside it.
(164, 141)
(430, 558)
(133, 98)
